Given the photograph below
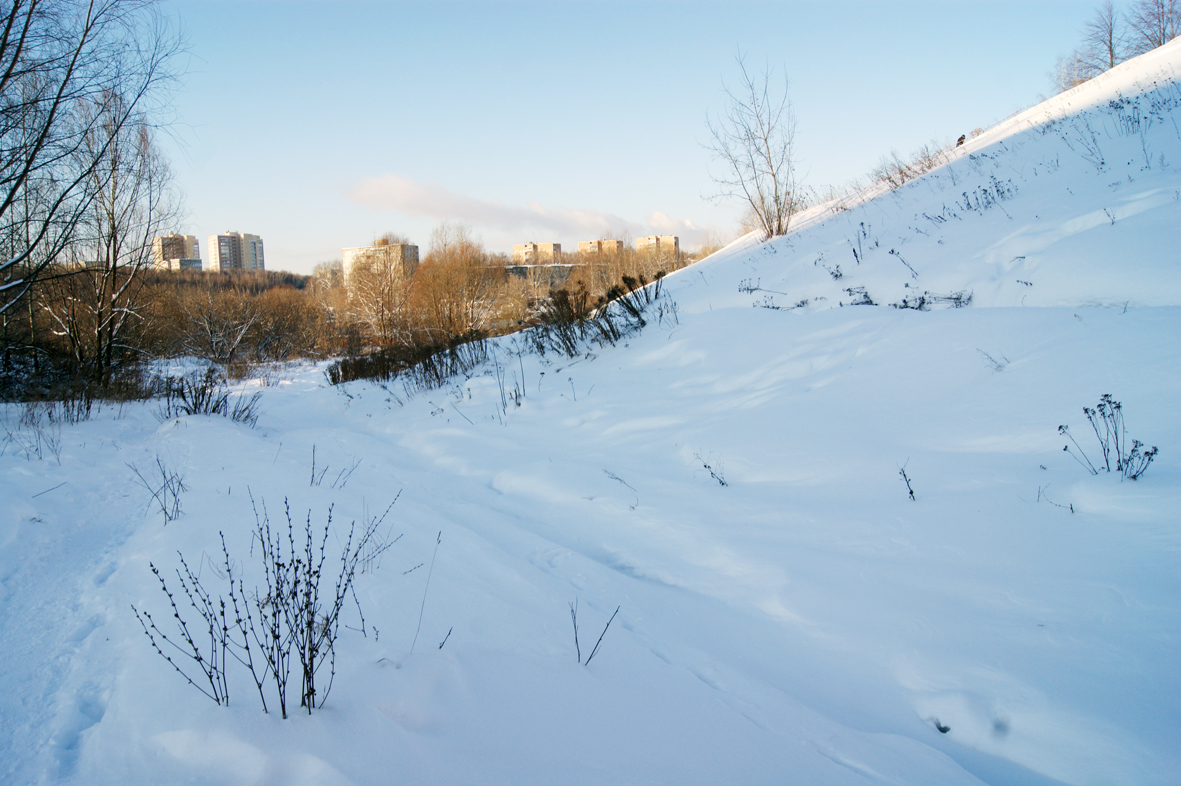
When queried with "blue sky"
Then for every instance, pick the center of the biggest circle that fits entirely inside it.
(321, 125)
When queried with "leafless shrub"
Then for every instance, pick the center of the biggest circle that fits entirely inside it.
(166, 486)
(571, 323)
(53, 399)
(860, 296)
(294, 618)
(927, 300)
(894, 171)
(35, 433)
(423, 367)
(218, 324)
(993, 363)
(1107, 421)
(207, 655)
(342, 477)
(206, 394)
(439, 368)
(714, 468)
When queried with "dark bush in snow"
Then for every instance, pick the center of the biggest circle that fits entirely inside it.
(294, 618)
(206, 394)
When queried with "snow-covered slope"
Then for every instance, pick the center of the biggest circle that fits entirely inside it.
(1073, 202)
(787, 613)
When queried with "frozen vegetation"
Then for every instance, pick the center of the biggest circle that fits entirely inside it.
(730, 479)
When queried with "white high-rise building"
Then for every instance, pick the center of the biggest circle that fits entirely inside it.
(235, 251)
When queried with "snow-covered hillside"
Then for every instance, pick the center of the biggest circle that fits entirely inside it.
(1073, 202)
(730, 481)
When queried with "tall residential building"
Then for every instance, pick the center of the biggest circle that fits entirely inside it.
(537, 253)
(600, 247)
(176, 252)
(401, 259)
(660, 244)
(235, 251)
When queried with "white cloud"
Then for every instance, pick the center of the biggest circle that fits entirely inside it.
(390, 192)
(510, 224)
(664, 224)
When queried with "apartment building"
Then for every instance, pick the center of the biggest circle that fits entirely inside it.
(665, 245)
(176, 252)
(236, 251)
(537, 253)
(525, 254)
(398, 258)
(600, 247)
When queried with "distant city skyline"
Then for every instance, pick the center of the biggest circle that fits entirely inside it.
(333, 135)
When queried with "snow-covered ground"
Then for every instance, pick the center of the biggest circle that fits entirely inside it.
(730, 482)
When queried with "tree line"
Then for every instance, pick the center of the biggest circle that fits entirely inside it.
(460, 289)
(240, 319)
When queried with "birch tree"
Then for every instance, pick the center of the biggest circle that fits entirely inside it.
(58, 60)
(97, 299)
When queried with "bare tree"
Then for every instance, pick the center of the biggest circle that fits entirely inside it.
(378, 283)
(218, 324)
(455, 289)
(1071, 71)
(292, 325)
(1153, 23)
(328, 275)
(58, 60)
(132, 202)
(1104, 41)
(754, 139)
(379, 294)
(392, 239)
(1105, 44)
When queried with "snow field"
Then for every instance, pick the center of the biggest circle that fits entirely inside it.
(806, 622)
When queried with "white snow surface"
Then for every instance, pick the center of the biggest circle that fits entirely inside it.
(807, 622)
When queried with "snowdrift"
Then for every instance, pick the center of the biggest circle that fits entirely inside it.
(730, 481)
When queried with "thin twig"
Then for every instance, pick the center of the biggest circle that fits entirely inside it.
(902, 472)
(58, 486)
(1088, 465)
(438, 540)
(601, 635)
(574, 619)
